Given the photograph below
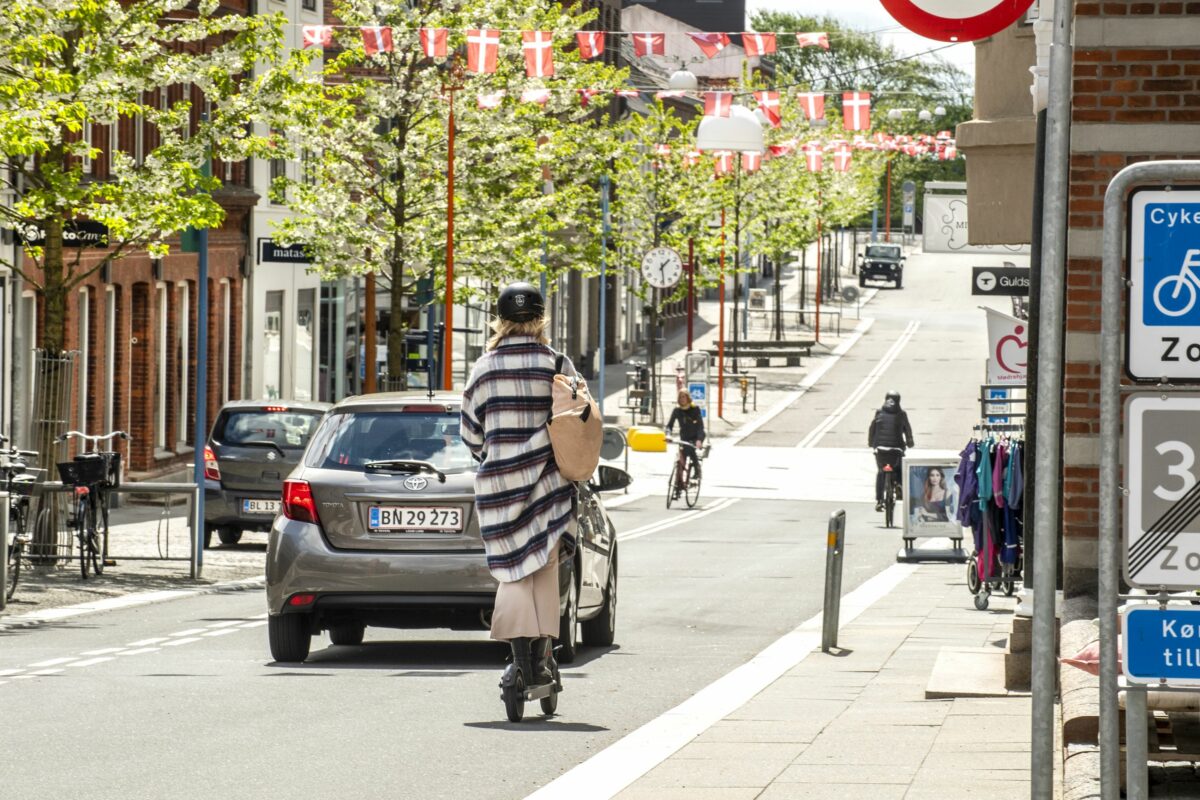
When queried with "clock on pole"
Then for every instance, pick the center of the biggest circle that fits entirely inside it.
(662, 267)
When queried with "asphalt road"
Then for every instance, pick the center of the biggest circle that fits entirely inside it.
(181, 699)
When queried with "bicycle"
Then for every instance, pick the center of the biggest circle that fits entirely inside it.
(1186, 279)
(687, 468)
(891, 492)
(93, 474)
(18, 480)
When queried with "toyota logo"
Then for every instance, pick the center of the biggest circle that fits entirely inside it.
(415, 483)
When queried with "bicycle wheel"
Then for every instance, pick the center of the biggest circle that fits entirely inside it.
(93, 536)
(692, 492)
(889, 500)
(671, 484)
(14, 569)
(81, 535)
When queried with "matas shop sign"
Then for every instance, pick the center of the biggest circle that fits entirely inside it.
(270, 252)
(1008, 343)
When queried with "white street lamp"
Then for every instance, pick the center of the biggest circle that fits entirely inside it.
(740, 132)
(683, 80)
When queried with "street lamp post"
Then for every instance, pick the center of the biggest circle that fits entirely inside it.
(448, 380)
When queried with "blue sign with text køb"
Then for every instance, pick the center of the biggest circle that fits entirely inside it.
(1161, 644)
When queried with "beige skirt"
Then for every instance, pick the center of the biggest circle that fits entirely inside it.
(528, 607)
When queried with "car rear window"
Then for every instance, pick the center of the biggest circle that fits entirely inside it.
(350, 439)
(883, 252)
(287, 429)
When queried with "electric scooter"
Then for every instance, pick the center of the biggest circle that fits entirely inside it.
(516, 687)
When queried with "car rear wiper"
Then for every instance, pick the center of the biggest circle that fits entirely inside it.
(259, 443)
(405, 465)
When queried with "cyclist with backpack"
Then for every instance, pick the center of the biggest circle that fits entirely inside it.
(889, 436)
(691, 432)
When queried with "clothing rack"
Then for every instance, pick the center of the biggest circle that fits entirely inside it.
(999, 427)
(990, 478)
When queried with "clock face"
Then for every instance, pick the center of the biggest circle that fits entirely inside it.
(662, 267)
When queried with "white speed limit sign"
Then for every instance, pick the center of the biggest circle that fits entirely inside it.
(1162, 510)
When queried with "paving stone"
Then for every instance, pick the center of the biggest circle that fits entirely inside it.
(841, 791)
(743, 751)
(695, 773)
(760, 730)
(638, 792)
(838, 774)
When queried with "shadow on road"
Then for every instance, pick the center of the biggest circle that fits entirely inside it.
(538, 724)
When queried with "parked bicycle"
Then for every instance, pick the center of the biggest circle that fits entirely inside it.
(93, 474)
(685, 474)
(18, 480)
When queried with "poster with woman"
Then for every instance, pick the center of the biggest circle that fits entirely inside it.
(931, 499)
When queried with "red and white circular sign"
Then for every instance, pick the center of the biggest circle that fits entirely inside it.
(956, 20)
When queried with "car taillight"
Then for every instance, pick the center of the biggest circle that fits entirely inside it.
(301, 600)
(212, 470)
(298, 502)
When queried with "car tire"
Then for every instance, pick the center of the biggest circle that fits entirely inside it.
(289, 637)
(347, 634)
(862, 279)
(208, 532)
(601, 630)
(229, 534)
(568, 624)
(899, 283)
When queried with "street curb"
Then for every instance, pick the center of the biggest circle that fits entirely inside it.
(133, 600)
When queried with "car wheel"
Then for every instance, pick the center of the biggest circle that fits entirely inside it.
(899, 283)
(347, 634)
(289, 636)
(208, 532)
(862, 279)
(229, 534)
(568, 625)
(601, 630)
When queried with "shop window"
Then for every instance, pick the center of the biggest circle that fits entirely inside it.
(305, 343)
(226, 333)
(110, 357)
(160, 427)
(84, 365)
(273, 347)
(183, 361)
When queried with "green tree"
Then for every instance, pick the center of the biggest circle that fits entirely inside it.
(374, 196)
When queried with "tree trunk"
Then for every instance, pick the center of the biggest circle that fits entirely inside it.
(397, 374)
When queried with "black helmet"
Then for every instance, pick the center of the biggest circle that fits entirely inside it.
(893, 395)
(521, 302)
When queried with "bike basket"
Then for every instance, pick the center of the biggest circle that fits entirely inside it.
(23, 488)
(83, 471)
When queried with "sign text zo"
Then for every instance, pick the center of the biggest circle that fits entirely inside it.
(1163, 336)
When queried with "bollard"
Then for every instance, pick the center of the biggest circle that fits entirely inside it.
(4, 532)
(835, 545)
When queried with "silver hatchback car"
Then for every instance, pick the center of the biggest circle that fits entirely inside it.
(378, 528)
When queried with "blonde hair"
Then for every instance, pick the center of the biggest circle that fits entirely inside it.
(503, 328)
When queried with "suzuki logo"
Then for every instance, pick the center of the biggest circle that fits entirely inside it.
(415, 483)
(271, 455)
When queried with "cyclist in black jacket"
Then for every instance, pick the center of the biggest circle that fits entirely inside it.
(889, 436)
(691, 426)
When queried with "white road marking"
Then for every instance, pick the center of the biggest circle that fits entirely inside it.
(663, 525)
(188, 632)
(255, 624)
(817, 433)
(140, 652)
(104, 651)
(625, 499)
(148, 642)
(45, 672)
(177, 642)
(621, 763)
(54, 662)
(226, 623)
(92, 661)
(260, 616)
(4, 673)
(221, 632)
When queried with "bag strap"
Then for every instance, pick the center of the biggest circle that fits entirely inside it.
(558, 362)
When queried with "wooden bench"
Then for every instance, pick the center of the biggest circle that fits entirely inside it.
(763, 351)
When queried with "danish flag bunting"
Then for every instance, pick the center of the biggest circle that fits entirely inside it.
(667, 94)
(692, 158)
(768, 103)
(943, 135)
(717, 104)
(586, 95)
(591, 44)
(710, 43)
(813, 157)
(491, 100)
(949, 153)
(758, 44)
(662, 149)
(842, 156)
(856, 111)
(483, 46)
(723, 164)
(539, 53)
(539, 96)
(751, 161)
(820, 40)
(782, 149)
(317, 35)
(649, 44)
(813, 104)
(631, 93)
(376, 39)
(433, 41)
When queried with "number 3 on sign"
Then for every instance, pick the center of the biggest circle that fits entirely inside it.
(1182, 470)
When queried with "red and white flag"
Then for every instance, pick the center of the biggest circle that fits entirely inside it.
(631, 93)
(539, 53)
(842, 157)
(751, 161)
(591, 43)
(813, 40)
(768, 103)
(813, 156)
(710, 43)
(317, 35)
(717, 104)
(434, 41)
(586, 95)
(813, 104)
(667, 94)
(943, 135)
(692, 158)
(783, 149)
(649, 44)
(376, 39)
(491, 99)
(758, 44)
(662, 149)
(949, 152)
(724, 163)
(483, 47)
(856, 111)
(539, 96)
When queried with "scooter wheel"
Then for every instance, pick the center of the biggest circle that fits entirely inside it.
(550, 702)
(514, 699)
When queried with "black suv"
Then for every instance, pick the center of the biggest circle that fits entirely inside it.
(881, 262)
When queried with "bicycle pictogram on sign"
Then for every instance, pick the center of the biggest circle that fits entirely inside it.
(1171, 264)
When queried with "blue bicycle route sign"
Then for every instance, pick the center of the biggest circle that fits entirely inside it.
(1163, 335)
(1161, 645)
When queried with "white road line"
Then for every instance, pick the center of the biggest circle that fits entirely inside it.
(147, 642)
(4, 673)
(260, 616)
(177, 642)
(92, 661)
(140, 652)
(255, 624)
(226, 623)
(817, 433)
(104, 651)
(621, 763)
(54, 662)
(45, 672)
(221, 632)
(658, 527)
(188, 632)
(809, 381)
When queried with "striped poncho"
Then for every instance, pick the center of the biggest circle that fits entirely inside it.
(524, 504)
